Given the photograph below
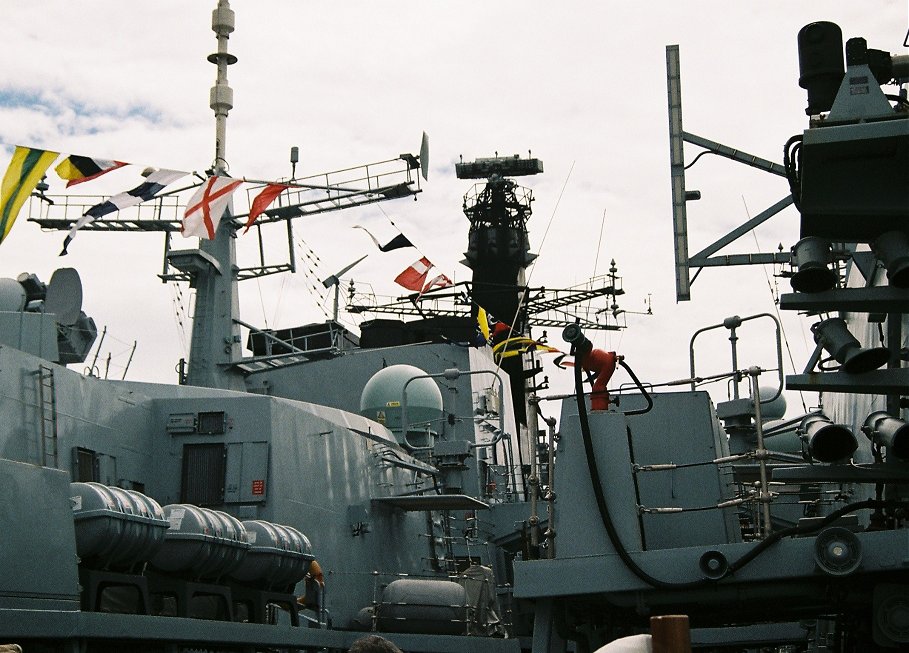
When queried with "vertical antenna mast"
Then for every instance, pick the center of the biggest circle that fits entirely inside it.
(215, 344)
(222, 95)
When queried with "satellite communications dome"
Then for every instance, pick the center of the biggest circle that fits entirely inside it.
(383, 394)
(12, 296)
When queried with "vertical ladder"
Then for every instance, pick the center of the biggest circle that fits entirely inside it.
(48, 408)
(451, 565)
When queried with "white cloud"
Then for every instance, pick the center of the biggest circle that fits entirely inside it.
(580, 84)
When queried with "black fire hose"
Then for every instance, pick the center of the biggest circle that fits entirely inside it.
(580, 346)
(644, 392)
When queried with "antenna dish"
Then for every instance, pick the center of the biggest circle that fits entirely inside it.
(424, 157)
(64, 296)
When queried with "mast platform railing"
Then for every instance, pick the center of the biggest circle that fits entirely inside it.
(61, 212)
(330, 191)
(333, 191)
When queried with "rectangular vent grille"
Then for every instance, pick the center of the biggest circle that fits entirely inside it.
(203, 474)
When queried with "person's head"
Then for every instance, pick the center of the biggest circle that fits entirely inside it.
(373, 644)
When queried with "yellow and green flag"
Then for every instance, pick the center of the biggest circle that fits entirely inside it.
(25, 171)
(483, 323)
(518, 345)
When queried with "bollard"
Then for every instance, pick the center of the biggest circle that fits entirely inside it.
(670, 634)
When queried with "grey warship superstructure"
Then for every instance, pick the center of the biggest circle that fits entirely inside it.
(409, 480)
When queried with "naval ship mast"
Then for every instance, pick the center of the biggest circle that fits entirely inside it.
(215, 350)
(215, 342)
(498, 251)
(212, 269)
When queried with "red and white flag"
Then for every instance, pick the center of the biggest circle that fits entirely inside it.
(440, 281)
(262, 201)
(204, 211)
(414, 277)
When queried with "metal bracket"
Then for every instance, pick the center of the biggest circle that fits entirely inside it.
(677, 138)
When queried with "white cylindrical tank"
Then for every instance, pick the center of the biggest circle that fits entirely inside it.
(437, 607)
(115, 528)
(278, 557)
(200, 543)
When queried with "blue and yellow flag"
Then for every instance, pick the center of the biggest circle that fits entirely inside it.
(25, 171)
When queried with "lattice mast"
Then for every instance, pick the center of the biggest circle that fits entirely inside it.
(498, 249)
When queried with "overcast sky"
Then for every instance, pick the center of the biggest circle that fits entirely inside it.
(580, 84)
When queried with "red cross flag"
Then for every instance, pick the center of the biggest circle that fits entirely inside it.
(204, 211)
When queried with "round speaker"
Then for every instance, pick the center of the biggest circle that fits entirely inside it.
(837, 551)
(813, 278)
(713, 565)
(811, 255)
(859, 360)
(891, 614)
(827, 442)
